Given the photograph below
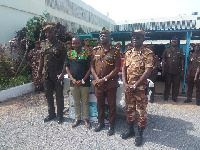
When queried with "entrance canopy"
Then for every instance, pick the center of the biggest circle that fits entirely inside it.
(150, 35)
(181, 34)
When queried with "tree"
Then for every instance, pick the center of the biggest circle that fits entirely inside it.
(104, 28)
(80, 30)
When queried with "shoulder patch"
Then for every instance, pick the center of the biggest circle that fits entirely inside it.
(128, 51)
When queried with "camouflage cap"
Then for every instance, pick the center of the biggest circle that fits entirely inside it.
(138, 32)
(104, 32)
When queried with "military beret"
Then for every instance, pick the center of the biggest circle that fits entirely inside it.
(37, 42)
(174, 38)
(104, 32)
(48, 27)
(118, 43)
(138, 32)
(129, 44)
(86, 39)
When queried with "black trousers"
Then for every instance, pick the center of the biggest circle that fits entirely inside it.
(50, 86)
(191, 83)
(175, 80)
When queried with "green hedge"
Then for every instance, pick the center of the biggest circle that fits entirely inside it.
(15, 81)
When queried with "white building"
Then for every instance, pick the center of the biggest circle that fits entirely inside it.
(71, 13)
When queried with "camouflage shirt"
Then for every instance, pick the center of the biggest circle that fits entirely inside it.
(136, 63)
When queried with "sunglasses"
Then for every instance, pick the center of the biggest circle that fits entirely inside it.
(137, 37)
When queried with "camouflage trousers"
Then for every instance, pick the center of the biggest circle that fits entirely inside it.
(136, 99)
(38, 82)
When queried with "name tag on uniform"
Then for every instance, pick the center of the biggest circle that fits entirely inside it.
(98, 55)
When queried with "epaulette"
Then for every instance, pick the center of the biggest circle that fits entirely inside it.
(147, 52)
(129, 51)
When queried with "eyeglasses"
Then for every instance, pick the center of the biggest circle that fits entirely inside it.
(104, 35)
(137, 37)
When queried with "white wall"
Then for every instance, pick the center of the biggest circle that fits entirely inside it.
(14, 15)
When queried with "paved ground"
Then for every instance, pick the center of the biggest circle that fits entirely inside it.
(170, 126)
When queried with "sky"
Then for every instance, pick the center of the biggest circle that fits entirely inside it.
(141, 9)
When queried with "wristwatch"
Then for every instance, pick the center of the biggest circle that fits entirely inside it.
(134, 86)
(83, 82)
(105, 79)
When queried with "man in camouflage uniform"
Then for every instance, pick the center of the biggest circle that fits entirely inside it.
(193, 63)
(34, 57)
(52, 59)
(105, 65)
(172, 69)
(137, 67)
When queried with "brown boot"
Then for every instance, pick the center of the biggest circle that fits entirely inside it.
(75, 123)
(87, 124)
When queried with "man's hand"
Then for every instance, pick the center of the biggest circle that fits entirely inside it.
(182, 73)
(163, 73)
(100, 82)
(129, 88)
(60, 77)
(79, 83)
(132, 89)
(186, 77)
(74, 82)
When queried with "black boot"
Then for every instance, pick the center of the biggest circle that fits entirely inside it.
(99, 127)
(198, 103)
(41, 89)
(111, 130)
(37, 90)
(187, 101)
(151, 100)
(129, 133)
(138, 140)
